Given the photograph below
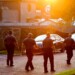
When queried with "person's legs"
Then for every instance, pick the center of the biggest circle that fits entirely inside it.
(45, 63)
(27, 66)
(51, 58)
(29, 62)
(69, 56)
(8, 57)
(11, 57)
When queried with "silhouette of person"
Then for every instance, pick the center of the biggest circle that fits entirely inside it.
(48, 53)
(10, 44)
(29, 44)
(69, 42)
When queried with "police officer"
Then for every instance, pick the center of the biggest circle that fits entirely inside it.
(69, 42)
(29, 45)
(48, 53)
(10, 44)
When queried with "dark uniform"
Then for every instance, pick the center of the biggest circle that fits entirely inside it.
(69, 42)
(48, 53)
(29, 43)
(9, 42)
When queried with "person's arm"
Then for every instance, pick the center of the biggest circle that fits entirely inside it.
(64, 45)
(23, 47)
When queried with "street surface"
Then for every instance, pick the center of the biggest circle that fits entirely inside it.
(20, 61)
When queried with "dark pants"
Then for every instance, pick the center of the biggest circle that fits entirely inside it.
(10, 53)
(29, 62)
(69, 56)
(48, 54)
(69, 51)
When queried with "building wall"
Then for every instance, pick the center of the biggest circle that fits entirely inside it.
(9, 15)
(16, 11)
(28, 10)
(10, 11)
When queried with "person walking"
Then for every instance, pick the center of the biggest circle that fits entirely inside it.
(48, 53)
(69, 42)
(29, 44)
(10, 44)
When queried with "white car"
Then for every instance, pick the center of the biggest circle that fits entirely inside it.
(73, 36)
(57, 41)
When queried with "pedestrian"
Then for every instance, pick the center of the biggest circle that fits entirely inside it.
(29, 44)
(69, 42)
(10, 44)
(48, 53)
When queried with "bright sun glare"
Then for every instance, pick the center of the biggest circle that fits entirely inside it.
(49, 2)
(52, 1)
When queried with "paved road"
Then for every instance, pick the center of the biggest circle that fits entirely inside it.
(19, 65)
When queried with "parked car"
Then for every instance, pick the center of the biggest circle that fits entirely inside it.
(57, 41)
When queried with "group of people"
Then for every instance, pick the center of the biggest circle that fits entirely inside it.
(29, 43)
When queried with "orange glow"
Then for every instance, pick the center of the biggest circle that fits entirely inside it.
(50, 1)
(58, 8)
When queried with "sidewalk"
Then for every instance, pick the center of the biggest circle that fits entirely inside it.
(19, 65)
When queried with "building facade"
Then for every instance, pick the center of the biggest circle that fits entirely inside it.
(12, 11)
